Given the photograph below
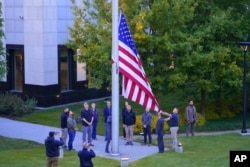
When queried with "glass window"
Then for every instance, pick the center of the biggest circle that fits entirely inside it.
(81, 69)
(18, 70)
(64, 69)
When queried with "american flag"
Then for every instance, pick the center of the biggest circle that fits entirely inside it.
(135, 85)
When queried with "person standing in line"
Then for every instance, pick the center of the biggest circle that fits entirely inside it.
(146, 122)
(129, 122)
(124, 110)
(85, 156)
(106, 113)
(174, 126)
(191, 118)
(95, 121)
(87, 120)
(64, 129)
(72, 128)
(159, 130)
(52, 149)
(109, 133)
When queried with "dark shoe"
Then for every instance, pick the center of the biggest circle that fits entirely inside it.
(131, 143)
(161, 152)
(91, 144)
(65, 147)
(127, 143)
(106, 151)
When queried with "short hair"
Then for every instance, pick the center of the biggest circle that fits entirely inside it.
(85, 144)
(51, 134)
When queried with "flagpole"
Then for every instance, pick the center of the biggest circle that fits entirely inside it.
(115, 80)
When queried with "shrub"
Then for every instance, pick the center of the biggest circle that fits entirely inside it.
(12, 105)
(138, 128)
(29, 105)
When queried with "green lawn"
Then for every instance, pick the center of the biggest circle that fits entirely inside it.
(205, 151)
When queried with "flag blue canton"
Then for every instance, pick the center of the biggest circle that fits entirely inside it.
(125, 35)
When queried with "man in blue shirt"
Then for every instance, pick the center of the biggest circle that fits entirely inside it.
(174, 126)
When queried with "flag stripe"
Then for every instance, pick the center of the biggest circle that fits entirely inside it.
(135, 85)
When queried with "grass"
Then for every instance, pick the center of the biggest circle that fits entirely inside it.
(22, 153)
(205, 151)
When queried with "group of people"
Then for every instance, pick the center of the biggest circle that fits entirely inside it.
(190, 117)
(89, 119)
(68, 128)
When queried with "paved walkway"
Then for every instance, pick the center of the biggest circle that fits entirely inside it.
(38, 133)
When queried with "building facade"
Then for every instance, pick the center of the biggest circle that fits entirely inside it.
(39, 65)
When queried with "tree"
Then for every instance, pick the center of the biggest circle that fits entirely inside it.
(3, 69)
(214, 64)
(188, 45)
(91, 36)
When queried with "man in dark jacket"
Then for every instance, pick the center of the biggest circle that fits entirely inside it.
(85, 155)
(52, 149)
(64, 117)
(124, 110)
(159, 131)
(87, 121)
(106, 113)
(129, 119)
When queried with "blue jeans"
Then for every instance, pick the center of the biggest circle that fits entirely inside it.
(87, 132)
(72, 135)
